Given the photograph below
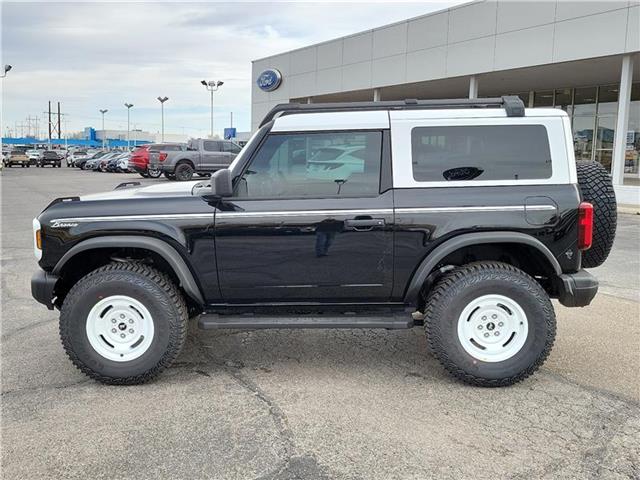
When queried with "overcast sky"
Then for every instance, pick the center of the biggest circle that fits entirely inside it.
(90, 56)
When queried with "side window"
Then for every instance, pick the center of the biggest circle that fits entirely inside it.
(480, 152)
(314, 165)
(230, 147)
(211, 146)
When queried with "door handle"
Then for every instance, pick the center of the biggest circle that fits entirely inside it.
(364, 224)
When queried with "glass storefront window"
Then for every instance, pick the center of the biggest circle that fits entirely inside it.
(632, 152)
(608, 100)
(564, 100)
(585, 101)
(543, 98)
(583, 136)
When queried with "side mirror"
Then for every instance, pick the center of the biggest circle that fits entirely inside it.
(221, 185)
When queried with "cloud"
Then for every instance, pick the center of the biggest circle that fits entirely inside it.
(99, 55)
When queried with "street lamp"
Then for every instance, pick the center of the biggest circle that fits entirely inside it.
(104, 135)
(128, 105)
(212, 86)
(162, 100)
(6, 70)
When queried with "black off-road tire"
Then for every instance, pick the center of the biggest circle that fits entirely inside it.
(155, 291)
(184, 172)
(446, 302)
(597, 189)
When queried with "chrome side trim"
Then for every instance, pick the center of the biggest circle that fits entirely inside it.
(505, 208)
(296, 213)
(119, 218)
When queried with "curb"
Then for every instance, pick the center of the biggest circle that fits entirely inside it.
(629, 209)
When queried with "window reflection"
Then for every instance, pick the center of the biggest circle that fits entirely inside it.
(632, 150)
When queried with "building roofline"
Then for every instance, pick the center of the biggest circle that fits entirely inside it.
(386, 25)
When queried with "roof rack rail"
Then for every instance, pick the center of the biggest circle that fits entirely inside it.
(512, 104)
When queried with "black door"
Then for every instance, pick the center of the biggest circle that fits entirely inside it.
(308, 222)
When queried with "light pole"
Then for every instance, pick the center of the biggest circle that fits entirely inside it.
(6, 70)
(162, 100)
(128, 105)
(104, 135)
(212, 86)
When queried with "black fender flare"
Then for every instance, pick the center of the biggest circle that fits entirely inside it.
(166, 251)
(465, 240)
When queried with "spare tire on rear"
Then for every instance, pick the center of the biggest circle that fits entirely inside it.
(597, 189)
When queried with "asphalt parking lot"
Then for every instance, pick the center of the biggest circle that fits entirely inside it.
(316, 404)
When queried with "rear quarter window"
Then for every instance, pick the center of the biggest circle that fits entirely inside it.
(480, 152)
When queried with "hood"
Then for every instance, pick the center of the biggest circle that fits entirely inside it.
(163, 189)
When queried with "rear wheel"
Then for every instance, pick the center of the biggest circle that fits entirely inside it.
(597, 189)
(184, 172)
(489, 324)
(123, 323)
(154, 173)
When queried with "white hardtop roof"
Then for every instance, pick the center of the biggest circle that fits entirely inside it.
(379, 119)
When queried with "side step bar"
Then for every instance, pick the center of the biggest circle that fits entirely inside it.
(390, 321)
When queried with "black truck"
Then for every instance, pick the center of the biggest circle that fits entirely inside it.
(464, 216)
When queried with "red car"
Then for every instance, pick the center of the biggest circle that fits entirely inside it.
(139, 162)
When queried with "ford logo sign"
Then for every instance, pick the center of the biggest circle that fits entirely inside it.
(269, 80)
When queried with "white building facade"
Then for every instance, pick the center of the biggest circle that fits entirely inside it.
(583, 57)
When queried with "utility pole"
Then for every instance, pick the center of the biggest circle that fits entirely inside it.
(59, 130)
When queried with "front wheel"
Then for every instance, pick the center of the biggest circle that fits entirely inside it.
(489, 324)
(123, 323)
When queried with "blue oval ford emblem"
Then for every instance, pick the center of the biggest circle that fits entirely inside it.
(269, 80)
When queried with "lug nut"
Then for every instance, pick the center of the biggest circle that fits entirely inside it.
(479, 327)
(122, 315)
(131, 330)
(501, 324)
(113, 330)
(122, 335)
(494, 316)
(486, 334)
(131, 320)
(113, 320)
(497, 333)
(484, 317)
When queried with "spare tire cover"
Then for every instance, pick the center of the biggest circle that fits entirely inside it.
(597, 189)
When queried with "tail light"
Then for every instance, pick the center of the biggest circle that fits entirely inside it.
(162, 157)
(585, 225)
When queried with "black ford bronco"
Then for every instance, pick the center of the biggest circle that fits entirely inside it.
(466, 216)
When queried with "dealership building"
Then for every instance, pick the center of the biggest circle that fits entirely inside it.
(582, 57)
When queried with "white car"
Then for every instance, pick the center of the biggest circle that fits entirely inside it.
(35, 154)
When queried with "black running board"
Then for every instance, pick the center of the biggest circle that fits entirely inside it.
(214, 321)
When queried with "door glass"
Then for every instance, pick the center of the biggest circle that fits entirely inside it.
(210, 146)
(314, 165)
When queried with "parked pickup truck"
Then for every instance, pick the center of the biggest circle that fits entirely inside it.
(201, 156)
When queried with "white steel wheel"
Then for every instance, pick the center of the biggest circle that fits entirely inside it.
(492, 328)
(120, 328)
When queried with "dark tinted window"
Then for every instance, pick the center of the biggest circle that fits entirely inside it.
(211, 146)
(314, 165)
(483, 152)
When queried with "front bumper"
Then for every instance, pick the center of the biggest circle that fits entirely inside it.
(577, 289)
(42, 286)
